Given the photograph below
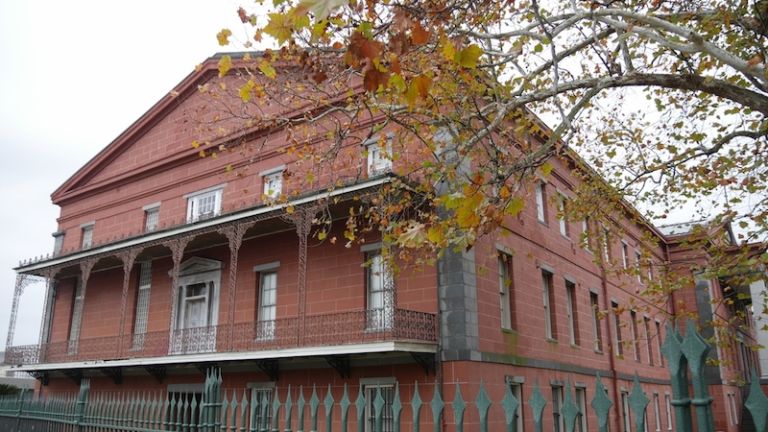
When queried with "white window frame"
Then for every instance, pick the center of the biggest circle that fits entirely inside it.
(562, 203)
(657, 411)
(272, 182)
(197, 339)
(547, 280)
(516, 387)
(369, 387)
(624, 255)
(668, 404)
(541, 202)
(58, 242)
(378, 275)
(505, 263)
(648, 346)
(580, 394)
(141, 317)
(266, 324)
(558, 398)
(658, 343)
(571, 297)
(586, 235)
(625, 419)
(597, 330)
(638, 261)
(194, 200)
(618, 343)
(151, 217)
(258, 390)
(378, 162)
(86, 235)
(633, 333)
(77, 316)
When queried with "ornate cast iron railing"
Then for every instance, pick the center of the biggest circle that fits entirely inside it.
(342, 328)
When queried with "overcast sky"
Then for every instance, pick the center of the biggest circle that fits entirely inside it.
(74, 75)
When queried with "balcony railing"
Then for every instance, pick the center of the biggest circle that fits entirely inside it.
(344, 328)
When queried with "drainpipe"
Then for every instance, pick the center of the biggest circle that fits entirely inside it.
(439, 354)
(611, 353)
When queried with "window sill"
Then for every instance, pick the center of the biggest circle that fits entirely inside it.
(509, 331)
(575, 346)
(599, 352)
(542, 222)
(550, 340)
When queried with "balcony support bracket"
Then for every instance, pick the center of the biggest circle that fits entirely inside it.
(425, 360)
(44, 377)
(116, 373)
(341, 363)
(270, 367)
(75, 375)
(158, 372)
(203, 367)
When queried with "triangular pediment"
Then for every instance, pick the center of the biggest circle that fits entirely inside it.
(197, 265)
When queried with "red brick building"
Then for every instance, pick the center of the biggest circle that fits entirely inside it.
(165, 264)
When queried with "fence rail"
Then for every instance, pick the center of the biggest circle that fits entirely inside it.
(342, 328)
(252, 410)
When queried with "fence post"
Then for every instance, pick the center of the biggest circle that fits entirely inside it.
(695, 350)
(82, 401)
(19, 412)
(678, 377)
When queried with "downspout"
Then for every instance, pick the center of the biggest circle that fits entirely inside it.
(439, 354)
(611, 353)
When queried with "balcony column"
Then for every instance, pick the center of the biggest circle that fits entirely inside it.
(128, 258)
(22, 280)
(302, 218)
(234, 234)
(177, 247)
(50, 294)
(85, 273)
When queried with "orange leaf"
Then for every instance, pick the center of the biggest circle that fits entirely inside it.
(422, 83)
(419, 36)
(373, 78)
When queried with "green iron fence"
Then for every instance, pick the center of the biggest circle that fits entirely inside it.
(217, 410)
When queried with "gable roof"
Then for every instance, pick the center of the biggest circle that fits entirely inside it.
(188, 86)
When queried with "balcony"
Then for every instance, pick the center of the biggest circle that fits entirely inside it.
(328, 330)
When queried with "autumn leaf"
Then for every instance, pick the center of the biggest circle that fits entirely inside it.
(469, 56)
(515, 206)
(243, 15)
(279, 27)
(225, 64)
(422, 83)
(449, 51)
(373, 78)
(362, 47)
(322, 8)
(223, 36)
(267, 69)
(419, 36)
(245, 90)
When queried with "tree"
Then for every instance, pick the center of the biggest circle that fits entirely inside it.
(666, 99)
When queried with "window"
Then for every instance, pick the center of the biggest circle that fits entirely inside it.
(203, 205)
(656, 412)
(549, 305)
(650, 270)
(633, 335)
(517, 391)
(637, 266)
(198, 305)
(386, 388)
(733, 413)
(573, 319)
(581, 403)
(558, 422)
(586, 240)
(562, 210)
(273, 184)
(142, 304)
(58, 242)
(506, 291)
(261, 401)
(541, 202)
(151, 217)
(77, 316)
(626, 425)
(618, 343)
(648, 345)
(267, 311)
(624, 255)
(596, 327)
(379, 285)
(668, 405)
(606, 239)
(658, 343)
(185, 395)
(378, 157)
(87, 235)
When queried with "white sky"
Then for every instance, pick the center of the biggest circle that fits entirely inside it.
(73, 76)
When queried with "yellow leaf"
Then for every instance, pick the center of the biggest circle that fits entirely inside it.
(266, 68)
(449, 51)
(469, 56)
(279, 27)
(225, 64)
(515, 206)
(435, 235)
(245, 91)
(322, 8)
(546, 168)
(223, 36)
(195, 144)
(322, 235)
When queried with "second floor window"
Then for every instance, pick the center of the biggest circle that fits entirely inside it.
(506, 291)
(87, 231)
(550, 330)
(273, 184)
(379, 285)
(267, 306)
(151, 218)
(204, 205)
(562, 203)
(596, 326)
(572, 312)
(541, 202)
(58, 242)
(379, 160)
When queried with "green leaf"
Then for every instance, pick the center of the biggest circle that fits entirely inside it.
(515, 206)
(245, 91)
(469, 56)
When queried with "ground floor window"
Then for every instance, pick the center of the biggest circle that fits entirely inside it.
(374, 388)
(261, 401)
